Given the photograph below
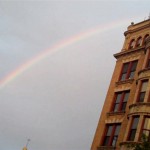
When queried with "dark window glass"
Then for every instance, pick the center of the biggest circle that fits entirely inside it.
(132, 44)
(142, 91)
(145, 38)
(139, 42)
(128, 70)
(148, 63)
(111, 136)
(106, 141)
(133, 68)
(146, 128)
(121, 101)
(133, 128)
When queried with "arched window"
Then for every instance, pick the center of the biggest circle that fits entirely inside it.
(132, 44)
(139, 42)
(145, 38)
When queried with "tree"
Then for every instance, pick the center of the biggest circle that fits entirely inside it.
(143, 145)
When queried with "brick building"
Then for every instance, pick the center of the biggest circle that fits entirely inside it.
(126, 112)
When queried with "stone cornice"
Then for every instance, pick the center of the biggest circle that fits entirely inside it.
(126, 52)
(135, 29)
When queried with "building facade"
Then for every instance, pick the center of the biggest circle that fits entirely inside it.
(126, 112)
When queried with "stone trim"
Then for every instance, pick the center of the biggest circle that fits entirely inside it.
(116, 113)
(105, 148)
(139, 104)
(141, 48)
(124, 82)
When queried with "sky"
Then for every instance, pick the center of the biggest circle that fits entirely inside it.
(56, 62)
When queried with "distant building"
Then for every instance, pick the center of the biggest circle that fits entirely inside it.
(126, 112)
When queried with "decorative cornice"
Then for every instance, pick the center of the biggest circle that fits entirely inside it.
(136, 29)
(139, 104)
(126, 52)
(124, 82)
(122, 113)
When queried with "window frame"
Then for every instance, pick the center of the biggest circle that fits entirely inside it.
(112, 136)
(121, 101)
(142, 128)
(127, 75)
(138, 42)
(142, 92)
(144, 40)
(133, 130)
(148, 61)
(132, 44)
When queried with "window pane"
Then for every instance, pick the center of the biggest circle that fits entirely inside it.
(134, 64)
(147, 123)
(139, 42)
(144, 86)
(114, 140)
(117, 129)
(106, 140)
(109, 130)
(135, 123)
(145, 38)
(148, 63)
(132, 134)
(111, 135)
(125, 67)
(124, 106)
(141, 96)
(146, 132)
(123, 77)
(116, 107)
(132, 44)
(126, 97)
(118, 97)
(131, 76)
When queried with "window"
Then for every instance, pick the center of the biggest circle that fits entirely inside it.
(132, 44)
(142, 92)
(121, 99)
(139, 41)
(133, 128)
(145, 38)
(146, 128)
(148, 61)
(128, 70)
(112, 131)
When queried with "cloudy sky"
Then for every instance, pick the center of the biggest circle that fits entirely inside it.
(56, 62)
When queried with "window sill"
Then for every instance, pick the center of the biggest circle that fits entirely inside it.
(105, 148)
(128, 143)
(125, 81)
(116, 113)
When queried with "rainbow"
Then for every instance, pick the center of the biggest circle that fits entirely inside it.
(58, 46)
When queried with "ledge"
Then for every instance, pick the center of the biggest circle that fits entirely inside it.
(143, 70)
(126, 143)
(125, 81)
(137, 27)
(139, 104)
(106, 148)
(139, 108)
(142, 48)
(116, 113)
